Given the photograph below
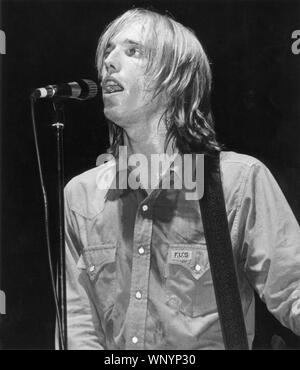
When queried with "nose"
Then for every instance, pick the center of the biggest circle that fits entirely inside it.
(112, 61)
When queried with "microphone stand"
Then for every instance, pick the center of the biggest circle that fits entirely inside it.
(58, 125)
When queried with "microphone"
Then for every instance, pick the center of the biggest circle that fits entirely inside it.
(81, 90)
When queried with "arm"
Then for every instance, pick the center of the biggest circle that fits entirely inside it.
(270, 239)
(83, 323)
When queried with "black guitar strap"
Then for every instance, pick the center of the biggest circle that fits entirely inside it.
(215, 224)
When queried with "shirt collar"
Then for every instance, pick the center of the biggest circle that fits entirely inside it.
(117, 183)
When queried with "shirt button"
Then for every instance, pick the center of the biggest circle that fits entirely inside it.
(134, 340)
(141, 250)
(138, 295)
(92, 268)
(174, 302)
(198, 268)
(145, 207)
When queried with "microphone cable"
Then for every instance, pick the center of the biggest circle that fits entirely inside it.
(46, 219)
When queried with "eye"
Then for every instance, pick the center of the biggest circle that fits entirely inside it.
(134, 51)
(107, 51)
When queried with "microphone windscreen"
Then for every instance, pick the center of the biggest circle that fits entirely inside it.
(89, 89)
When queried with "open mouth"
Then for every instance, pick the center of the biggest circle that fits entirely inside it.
(111, 90)
(111, 86)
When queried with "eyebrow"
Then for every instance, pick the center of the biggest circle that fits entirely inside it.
(126, 41)
(132, 42)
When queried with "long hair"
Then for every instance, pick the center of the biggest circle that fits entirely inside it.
(177, 65)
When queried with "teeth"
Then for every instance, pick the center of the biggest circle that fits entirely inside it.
(112, 87)
(111, 83)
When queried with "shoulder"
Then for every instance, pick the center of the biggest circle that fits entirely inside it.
(85, 193)
(238, 160)
(88, 179)
(234, 165)
(240, 171)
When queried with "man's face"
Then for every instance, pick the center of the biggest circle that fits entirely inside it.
(126, 101)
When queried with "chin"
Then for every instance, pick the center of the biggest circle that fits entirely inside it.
(115, 117)
(112, 113)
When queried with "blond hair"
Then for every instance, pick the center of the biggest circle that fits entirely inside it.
(179, 66)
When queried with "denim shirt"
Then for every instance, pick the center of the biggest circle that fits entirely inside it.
(138, 275)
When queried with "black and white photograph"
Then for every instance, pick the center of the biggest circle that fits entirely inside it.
(149, 177)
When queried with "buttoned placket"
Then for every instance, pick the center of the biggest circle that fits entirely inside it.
(137, 309)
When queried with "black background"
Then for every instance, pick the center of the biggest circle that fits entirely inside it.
(255, 103)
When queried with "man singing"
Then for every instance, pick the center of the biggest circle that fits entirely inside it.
(138, 275)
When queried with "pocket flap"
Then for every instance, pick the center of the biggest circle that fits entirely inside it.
(96, 257)
(193, 257)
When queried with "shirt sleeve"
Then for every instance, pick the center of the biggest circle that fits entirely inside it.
(270, 239)
(83, 323)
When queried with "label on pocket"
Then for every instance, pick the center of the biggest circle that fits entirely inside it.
(180, 255)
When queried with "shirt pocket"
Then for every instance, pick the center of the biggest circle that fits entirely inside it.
(188, 281)
(100, 261)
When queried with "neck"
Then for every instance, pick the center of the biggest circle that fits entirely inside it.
(147, 139)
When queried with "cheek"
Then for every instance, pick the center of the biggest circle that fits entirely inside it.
(136, 95)
(133, 95)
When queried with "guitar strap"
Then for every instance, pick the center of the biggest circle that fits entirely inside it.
(223, 270)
